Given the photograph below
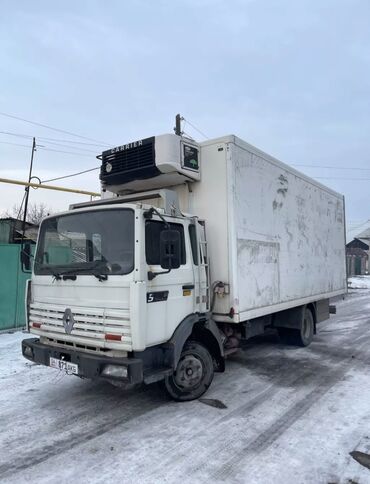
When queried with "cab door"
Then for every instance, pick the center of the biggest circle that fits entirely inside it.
(170, 295)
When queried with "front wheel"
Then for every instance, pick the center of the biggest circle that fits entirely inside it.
(193, 374)
(302, 336)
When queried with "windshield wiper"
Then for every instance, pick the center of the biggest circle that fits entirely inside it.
(101, 277)
(56, 275)
(92, 269)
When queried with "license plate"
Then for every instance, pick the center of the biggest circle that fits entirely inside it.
(67, 366)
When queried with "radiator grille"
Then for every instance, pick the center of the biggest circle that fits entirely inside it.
(89, 329)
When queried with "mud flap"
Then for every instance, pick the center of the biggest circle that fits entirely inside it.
(185, 329)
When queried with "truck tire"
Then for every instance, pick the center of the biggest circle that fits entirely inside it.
(193, 374)
(302, 336)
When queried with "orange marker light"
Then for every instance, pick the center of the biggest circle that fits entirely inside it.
(113, 337)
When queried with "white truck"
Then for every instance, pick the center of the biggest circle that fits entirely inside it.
(193, 249)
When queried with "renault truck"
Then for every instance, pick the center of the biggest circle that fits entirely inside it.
(192, 249)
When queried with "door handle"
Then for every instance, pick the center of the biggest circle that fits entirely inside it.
(188, 286)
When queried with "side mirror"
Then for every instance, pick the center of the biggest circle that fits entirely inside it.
(25, 256)
(170, 249)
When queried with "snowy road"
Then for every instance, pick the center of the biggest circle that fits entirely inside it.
(292, 416)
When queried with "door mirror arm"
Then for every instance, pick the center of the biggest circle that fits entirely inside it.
(149, 214)
(152, 275)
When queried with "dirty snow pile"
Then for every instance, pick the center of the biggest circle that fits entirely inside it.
(359, 282)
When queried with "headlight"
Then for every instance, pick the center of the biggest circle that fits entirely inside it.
(117, 371)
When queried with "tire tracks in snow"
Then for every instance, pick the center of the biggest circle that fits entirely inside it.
(323, 380)
(40, 454)
(187, 448)
(251, 449)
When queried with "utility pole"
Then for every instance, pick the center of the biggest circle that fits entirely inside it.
(27, 189)
(177, 127)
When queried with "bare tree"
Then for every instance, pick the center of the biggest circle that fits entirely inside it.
(35, 212)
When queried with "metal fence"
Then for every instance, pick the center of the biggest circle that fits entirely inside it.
(12, 288)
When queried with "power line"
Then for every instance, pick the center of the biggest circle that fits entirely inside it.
(72, 147)
(358, 222)
(60, 143)
(61, 151)
(194, 127)
(11, 133)
(340, 178)
(8, 133)
(40, 147)
(188, 135)
(71, 175)
(52, 128)
(13, 144)
(52, 143)
(357, 225)
(72, 141)
(334, 167)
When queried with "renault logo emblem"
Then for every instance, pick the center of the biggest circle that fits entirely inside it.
(68, 320)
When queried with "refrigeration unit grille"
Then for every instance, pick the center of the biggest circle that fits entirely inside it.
(128, 162)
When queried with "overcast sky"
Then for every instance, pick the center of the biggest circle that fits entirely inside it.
(291, 77)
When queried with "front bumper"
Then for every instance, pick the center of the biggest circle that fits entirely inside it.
(89, 366)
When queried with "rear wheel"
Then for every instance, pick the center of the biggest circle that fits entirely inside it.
(302, 336)
(193, 374)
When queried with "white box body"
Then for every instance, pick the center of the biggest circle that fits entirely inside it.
(276, 236)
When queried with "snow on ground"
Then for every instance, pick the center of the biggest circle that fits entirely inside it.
(293, 416)
(359, 282)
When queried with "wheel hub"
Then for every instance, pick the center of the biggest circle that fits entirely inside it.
(189, 372)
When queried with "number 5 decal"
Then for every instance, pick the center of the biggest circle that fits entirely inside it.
(152, 297)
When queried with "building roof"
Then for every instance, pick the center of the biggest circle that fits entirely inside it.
(358, 244)
(365, 234)
(11, 230)
(358, 231)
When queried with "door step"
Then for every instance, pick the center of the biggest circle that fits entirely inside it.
(157, 375)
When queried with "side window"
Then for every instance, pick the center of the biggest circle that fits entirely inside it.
(193, 243)
(153, 229)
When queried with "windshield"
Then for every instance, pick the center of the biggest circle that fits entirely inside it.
(100, 241)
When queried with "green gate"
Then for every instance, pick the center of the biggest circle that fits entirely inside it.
(358, 266)
(12, 288)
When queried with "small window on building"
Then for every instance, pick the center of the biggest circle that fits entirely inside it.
(153, 229)
(194, 243)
